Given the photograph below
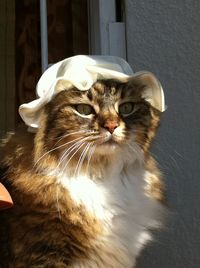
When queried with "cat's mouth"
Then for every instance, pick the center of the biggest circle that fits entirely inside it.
(111, 142)
(108, 144)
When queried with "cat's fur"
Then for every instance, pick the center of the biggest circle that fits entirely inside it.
(88, 203)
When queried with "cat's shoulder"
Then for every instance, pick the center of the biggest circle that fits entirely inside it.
(155, 186)
(15, 145)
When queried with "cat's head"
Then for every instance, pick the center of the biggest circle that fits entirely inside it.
(111, 119)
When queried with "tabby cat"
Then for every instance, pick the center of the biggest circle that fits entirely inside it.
(86, 190)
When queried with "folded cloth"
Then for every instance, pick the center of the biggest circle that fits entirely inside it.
(82, 72)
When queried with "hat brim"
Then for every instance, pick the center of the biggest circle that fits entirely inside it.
(82, 72)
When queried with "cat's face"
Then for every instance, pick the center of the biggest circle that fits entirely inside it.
(109, 118)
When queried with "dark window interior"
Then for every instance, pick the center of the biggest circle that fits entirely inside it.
(67, 36)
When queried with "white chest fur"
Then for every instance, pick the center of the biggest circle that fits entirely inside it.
(120, 203)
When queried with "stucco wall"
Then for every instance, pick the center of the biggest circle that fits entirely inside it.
(163, 36)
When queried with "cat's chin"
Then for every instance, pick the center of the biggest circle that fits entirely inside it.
(108, 147)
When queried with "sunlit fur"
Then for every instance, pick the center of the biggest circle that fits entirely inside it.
(85, 195)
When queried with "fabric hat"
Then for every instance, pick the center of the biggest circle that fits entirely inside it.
(82, 72)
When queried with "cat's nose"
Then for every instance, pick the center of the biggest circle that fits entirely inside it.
(111, 126)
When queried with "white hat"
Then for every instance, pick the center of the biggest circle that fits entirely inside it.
(82, 72)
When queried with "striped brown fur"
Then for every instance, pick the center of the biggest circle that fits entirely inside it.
(46, 228)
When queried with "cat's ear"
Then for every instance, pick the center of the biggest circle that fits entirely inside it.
(151, 89)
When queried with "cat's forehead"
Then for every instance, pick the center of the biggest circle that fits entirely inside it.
(105, 87)
(101, 91)
(113, 90)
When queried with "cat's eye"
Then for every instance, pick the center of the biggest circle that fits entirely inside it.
(85, 109)
(126, 108)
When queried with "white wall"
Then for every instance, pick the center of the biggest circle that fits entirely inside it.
(163, 36)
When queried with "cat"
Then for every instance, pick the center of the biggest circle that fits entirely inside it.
(85, 187)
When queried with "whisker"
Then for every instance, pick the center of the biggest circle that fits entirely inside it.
(72, 157)
(84, 156)
(81, 159)
(68, 151)
(85, 139)
(90, 156)
(60, 146)
(82, 139)
(66, 135)
(93, 147)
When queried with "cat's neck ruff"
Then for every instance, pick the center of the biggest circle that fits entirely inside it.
(117, 201)
(93, 190)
